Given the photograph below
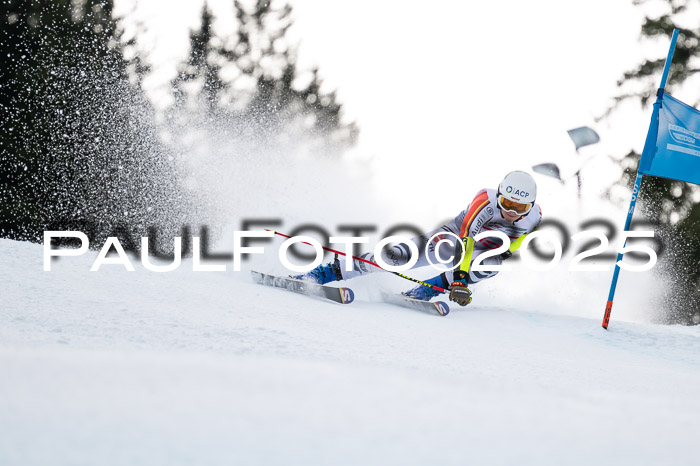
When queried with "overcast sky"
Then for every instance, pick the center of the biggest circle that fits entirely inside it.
(457, 93)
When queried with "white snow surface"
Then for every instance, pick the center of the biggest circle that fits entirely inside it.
(141, 368)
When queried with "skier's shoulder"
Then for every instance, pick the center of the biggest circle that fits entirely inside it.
(481, 210)
(483, 204)
(483, 198)
(537, 209)
(532, 220)
(486, 193)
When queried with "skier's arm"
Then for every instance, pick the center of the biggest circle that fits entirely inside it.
(476, 217)
(462, 271)
(459, 292)
(514, 246)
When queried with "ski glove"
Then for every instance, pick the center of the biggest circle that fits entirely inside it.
(460, 294)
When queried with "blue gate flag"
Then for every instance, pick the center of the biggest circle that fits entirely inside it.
(661, 156)
(676, 154)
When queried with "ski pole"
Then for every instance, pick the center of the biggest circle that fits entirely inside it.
(437, 288)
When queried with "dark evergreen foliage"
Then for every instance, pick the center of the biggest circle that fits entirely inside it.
(79, 142)
(267, 97)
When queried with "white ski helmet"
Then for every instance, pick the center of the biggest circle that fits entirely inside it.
(517, 192)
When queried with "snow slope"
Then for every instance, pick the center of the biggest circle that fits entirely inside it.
(118, 368)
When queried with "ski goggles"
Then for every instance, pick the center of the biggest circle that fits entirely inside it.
(512, 206)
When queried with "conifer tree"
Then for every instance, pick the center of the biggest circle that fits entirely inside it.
(267, 98)
(80, 150)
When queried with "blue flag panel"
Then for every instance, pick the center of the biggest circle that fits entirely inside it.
(677, 153)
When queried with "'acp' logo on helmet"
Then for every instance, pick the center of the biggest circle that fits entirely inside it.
(517, 192)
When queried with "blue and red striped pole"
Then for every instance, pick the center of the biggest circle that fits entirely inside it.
(647, 154)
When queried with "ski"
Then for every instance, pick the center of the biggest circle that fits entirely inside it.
(400, 300)
(339, 295)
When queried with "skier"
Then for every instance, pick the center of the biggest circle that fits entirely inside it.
(510, 209)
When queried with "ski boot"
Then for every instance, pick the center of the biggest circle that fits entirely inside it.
(323, 273)
(425, 293)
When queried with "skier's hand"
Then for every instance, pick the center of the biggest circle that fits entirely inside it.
(460, 294)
